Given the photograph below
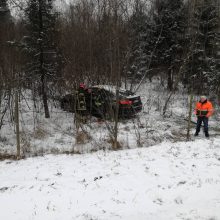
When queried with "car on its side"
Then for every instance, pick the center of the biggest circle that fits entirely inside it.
(101, 102)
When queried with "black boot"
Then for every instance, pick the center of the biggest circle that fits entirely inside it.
(207, 134)
(196, 134)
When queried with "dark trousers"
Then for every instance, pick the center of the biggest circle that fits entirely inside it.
(205, 121)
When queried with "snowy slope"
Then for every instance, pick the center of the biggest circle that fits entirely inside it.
(40, 136)
(165, 182)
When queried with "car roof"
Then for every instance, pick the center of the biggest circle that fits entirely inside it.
(109, 88)
(112, 89)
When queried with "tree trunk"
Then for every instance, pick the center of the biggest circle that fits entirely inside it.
(170, 80)
(44, 96)
(115, 143)
(42, 71)
(17, 125)
(189, 117)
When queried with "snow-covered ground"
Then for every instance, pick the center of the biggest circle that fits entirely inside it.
(40, 136)
(169, 181)
(161, 178)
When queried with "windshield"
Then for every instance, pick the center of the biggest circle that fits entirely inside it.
(125, 93)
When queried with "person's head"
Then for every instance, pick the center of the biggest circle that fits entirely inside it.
(203, 98)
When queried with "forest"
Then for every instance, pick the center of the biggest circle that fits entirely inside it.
(47, 50)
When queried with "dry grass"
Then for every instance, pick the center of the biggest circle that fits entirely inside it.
(40, 133)
(3, 139)
(178, 135)
(115, 146)
(82, 138)
(216, 129)
(9, 157)
(25, 143)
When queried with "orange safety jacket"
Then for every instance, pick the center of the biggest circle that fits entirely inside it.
(204, 109)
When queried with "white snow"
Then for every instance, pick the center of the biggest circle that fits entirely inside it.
(40, 136)
(169, 181)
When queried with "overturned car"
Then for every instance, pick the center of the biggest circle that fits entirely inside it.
(100, 101)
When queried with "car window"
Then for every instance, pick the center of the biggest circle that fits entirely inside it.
(125, 93)
(102, 94)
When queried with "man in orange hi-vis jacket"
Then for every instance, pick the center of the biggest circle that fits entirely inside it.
(203, 110)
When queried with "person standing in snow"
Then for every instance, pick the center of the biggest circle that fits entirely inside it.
(203, 110)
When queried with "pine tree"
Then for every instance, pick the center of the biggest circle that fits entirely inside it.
(213, 47)
(203, 65)
(7, 34)
(141, 42)
(170, 22)
(5, 15)
(43, 58)
(138, 57)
